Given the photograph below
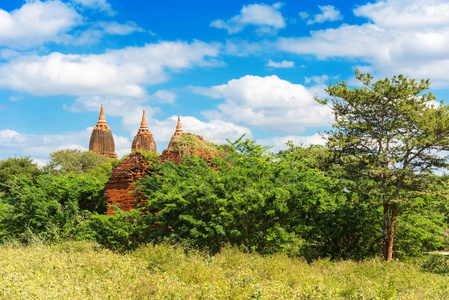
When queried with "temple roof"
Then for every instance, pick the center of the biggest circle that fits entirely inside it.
(144, 140)
(101, 139)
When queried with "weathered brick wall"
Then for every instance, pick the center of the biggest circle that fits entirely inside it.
(119, 186)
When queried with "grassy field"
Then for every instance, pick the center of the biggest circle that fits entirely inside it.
(81, 270)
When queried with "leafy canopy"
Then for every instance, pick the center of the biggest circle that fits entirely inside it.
(388, 134)
(76, 161)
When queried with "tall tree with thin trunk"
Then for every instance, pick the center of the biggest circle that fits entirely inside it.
(388, 135)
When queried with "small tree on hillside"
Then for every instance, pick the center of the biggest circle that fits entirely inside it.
(74, 160)
(388, 134)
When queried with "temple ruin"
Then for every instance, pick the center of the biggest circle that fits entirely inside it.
(119, 189)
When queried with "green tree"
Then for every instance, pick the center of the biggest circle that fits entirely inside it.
(388, 135)
(51, 208)
(23, 166)
(252, 199)
(76, 161)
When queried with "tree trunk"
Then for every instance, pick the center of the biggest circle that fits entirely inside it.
(385, 232)
(388, 231)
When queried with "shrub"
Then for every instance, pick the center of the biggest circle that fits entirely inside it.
(436, 263)
(254, 200)
(51, 208)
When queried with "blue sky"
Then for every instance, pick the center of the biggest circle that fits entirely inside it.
(228, 67)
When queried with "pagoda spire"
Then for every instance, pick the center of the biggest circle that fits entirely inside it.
(101, 124)
(144, 121)
(144, 140)
(179, 130)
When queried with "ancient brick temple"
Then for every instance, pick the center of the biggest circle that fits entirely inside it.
(118, 189)
(144, 138)
(182, 143)
(101, 139)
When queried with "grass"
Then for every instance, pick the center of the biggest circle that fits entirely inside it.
(82, 270)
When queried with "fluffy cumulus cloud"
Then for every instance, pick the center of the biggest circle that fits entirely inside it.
(328, 13)
(282, 64)
(409, 37)
(268, 103)
(39, 146)
(37, 22)
(121, 72)
(266, 18)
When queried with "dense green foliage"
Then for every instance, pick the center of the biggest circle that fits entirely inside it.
(51, 208)
(22, 166)
(253, 200)
(294, 202)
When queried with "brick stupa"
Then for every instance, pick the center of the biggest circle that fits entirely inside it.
(144, 138)
(101, 140)
(182, 143)
(119, 187)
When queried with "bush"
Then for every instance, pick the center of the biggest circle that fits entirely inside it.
(122, 232)
(51, 208)
(23, 166)
(254, 201)
(436, 263)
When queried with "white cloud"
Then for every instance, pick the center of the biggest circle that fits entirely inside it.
(101, 5)
(282, 64)
(303, 15)
(328, 13)
(164, 96)
(267, 103)
(121, 72)
(317, 79)
(389, 43)
(267, 19)
(37, 22)
(114, 28)
(406, 15)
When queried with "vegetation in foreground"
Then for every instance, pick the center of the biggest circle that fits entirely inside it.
(83, 270)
